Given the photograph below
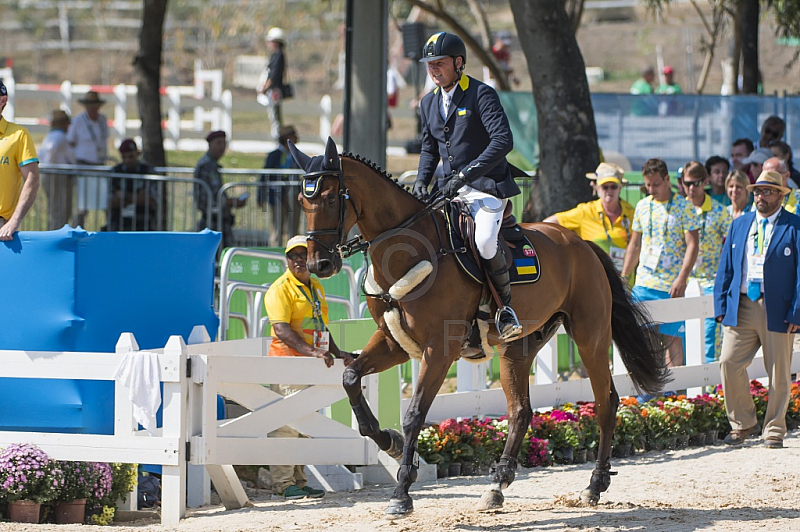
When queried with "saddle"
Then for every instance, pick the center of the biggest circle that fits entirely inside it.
(521, 257)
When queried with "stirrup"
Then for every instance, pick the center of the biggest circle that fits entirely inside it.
(510, 331)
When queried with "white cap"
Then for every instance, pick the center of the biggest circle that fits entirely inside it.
(275, 34)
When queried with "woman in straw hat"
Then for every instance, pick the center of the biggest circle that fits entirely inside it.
(605, 221)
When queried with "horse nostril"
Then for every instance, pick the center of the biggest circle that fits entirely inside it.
(324, 265)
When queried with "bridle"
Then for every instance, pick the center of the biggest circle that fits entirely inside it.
(312, 186)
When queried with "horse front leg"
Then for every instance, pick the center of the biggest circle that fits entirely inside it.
(515, 367)
(433, 370)
(379, 354)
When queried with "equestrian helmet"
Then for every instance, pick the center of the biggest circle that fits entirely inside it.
(441, 45)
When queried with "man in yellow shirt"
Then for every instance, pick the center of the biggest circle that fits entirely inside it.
(297, 310)
(605, 221)
(18, 163)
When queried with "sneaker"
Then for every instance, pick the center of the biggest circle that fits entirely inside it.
(312, 493)
(291, 493)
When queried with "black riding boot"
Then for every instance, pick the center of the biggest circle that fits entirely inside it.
(506, 318)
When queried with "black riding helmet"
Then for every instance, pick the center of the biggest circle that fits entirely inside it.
(444, 44)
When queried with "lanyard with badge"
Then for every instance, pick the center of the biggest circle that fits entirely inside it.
(322, 338)
(653, 256)
(755, 262)
(617, 254)
(698, 263)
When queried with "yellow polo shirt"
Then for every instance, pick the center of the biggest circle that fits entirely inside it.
(591, 223)
(16, 150)
(289, 301)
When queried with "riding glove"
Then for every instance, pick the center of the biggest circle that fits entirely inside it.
(452, 186)
(420, 190)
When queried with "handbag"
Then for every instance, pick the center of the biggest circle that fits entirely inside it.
(288, 91)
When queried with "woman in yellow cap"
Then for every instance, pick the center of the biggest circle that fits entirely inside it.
(605, 221)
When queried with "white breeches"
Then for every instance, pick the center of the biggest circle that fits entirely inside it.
(487, 211)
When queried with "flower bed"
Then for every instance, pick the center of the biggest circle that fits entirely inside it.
(27, 473)
(559, 434)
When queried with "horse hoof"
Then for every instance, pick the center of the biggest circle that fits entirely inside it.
(491, 500)
(589, 498)
(395, 449)
(399, 508)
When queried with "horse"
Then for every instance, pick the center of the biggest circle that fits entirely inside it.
(423, 304)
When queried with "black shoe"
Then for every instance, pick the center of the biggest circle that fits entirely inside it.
(507, 324)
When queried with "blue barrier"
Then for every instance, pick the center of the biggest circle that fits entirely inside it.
(70, 290)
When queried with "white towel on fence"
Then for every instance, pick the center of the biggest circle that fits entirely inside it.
(140, 372)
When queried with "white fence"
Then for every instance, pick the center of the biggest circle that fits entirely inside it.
(473, 399)
(192, 377)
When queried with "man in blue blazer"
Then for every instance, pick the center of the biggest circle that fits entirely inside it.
(757, 299)
(464, 126)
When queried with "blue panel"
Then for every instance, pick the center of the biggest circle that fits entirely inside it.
(76, 291)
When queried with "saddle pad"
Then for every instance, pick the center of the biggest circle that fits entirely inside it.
(523, 264)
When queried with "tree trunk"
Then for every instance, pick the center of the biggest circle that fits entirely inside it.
(736, 46)
(749, 29)
(148, 84)
(148, 80)
(567, 134)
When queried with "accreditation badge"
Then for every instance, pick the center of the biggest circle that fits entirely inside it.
(755, 268)
(653, 257)
(322, 340)
(617, 256)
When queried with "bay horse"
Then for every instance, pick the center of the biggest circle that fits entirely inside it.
(578, 287)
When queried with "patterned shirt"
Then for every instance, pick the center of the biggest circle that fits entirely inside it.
(663, 225)
(791, 201)
(714, 224)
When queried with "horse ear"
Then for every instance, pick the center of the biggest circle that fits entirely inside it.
(331, 156)
(302, 160)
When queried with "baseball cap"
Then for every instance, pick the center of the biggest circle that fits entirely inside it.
(296, 242)
(668, 70)
(127, 146)
(607, 172)
(214, 135)
(276, 34)
(759, 156)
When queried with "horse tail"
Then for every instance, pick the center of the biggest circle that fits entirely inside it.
(634, 332)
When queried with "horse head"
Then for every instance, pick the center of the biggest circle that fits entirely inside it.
(324, 199)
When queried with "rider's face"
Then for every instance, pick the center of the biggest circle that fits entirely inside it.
(443, 71)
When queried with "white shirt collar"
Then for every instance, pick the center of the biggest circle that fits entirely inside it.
(771, 218)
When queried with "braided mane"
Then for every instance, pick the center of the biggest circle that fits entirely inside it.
(380, 171)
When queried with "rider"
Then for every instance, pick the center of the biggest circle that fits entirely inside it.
(464, 125)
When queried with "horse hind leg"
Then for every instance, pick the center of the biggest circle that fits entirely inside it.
(593, 339)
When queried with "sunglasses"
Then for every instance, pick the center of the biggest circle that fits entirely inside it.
(609, 187)
(296, 256)
(690, 184)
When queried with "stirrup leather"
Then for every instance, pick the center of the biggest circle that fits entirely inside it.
(511, 331)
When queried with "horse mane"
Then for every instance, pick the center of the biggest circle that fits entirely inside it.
(380, 171)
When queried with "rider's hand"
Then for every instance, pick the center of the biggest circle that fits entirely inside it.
(420, 190)
(452, 186)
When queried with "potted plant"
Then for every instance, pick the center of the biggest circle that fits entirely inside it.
(78, 482)
(26, 481)
(657, 430)
(628, 432)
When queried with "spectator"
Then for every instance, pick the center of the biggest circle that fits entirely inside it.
(756, 161)
(502, 53)
(88, 135)
(714, 224)
(57, 187)
(644, 85)
(282, 200)
(772, 130)
(133, 203)
(736, 185)
(665, 233)
(740, 150)
(783, 151)
(669, 86)
(791, 200)
(207, 170)
(297, 310)
(272, 86)
(19, 175)
(756, 299)
(605, 221)
(718, 169)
